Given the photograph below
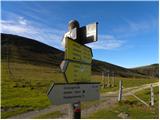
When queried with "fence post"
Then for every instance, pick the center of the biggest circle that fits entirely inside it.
(152, 96)
(113, 77)
(103, 80)
(120, 91)
(108, 82)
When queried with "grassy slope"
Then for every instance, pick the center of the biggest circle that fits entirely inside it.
(25, 84)
(152, 70)
(27, 89)
(20, 49)
(127, 82)
(131, 106)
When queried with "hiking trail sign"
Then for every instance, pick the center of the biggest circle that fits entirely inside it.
(76, 68)
(70, 93)
(77, 52)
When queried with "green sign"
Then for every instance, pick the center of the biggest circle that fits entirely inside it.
(76, 71)
(77, 52)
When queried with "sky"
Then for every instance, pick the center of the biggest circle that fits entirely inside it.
(127, 31)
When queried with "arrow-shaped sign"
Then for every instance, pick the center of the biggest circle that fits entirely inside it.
(76, 71)
(77, 52)
(70, 93)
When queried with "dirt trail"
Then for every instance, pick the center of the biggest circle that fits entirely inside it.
(106, 100)
(111, 98)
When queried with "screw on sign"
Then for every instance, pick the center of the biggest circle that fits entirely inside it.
(76, 68)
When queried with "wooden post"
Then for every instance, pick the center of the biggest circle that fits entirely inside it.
(120, 91)
(152, 96)
(113, 78)
(103, 80)
(108, 83)
(77, 110)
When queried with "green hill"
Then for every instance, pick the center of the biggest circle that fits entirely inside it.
(20, 49)
(149, 70)
(29, 67)
(24, 50)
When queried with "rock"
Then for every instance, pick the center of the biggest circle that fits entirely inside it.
(123, 115)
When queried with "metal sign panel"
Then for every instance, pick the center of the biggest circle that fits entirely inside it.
(91, 31)
(75, 71)
(88, 33)
(71, 93)
(77, 52)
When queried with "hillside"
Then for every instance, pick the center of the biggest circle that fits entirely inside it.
(29, 67)
(19, 49)
(151, 70)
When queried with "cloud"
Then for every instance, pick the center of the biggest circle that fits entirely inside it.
(132, 28)
(23, 27)
(22, 21)
(30, 29)
(107, 42)
(10, 26)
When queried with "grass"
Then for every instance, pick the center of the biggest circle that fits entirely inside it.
(24, 87)
(88, 104)
(132, 107)
(127, 82)
(27, 89)
(50, 115)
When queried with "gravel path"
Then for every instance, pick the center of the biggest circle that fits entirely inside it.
(111, 98)
(106, 101)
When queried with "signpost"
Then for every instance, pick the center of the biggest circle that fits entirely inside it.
(77, 52)
(76, 68)
(88, 33)
(70, 93)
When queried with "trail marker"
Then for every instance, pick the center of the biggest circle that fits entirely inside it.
(76, 71)
(71, 93)
(76, 68)
(88, 33)
(77, 52)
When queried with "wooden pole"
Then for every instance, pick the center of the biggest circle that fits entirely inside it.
(113, 78)
(77, 110)
(152, 96)
(108, 83)
(120, 91)
(103, 80)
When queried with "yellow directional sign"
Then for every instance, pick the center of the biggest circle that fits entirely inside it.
(76, 67)
(76, 72)
(77, 52)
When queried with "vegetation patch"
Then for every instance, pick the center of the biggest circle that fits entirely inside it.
(131, 108)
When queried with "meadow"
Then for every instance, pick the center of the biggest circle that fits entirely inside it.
(132, 108)
(24, 86)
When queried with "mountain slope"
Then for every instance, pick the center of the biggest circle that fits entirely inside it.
(27, 50)
(19, 49)
(151, 70)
